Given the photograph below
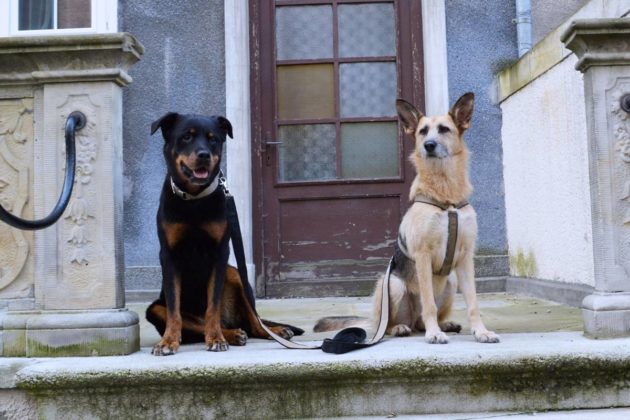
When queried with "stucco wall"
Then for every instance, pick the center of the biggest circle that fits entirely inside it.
(183, 70)
(548, 15)
(546, 178)
(475, 54)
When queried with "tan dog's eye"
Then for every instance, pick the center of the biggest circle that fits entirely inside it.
(424, 130)
(187, 137)
(442, 129)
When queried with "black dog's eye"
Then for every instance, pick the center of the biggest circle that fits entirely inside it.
(443, 129)
(187, 137)
(424, 130)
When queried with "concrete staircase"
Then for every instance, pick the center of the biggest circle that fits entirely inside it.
(542, 363)
(525, 372)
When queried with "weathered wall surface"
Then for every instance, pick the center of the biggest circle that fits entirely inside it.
(546, 178)
(548, 15)
(183, 70)
(548, 203)
(475, 55)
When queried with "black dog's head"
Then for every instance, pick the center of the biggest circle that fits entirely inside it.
(192, 147)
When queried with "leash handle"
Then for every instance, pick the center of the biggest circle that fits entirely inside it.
(340, 343)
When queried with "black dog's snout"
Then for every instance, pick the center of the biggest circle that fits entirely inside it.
(203, 155)
(430, 145)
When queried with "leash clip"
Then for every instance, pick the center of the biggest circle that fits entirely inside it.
(223, 183)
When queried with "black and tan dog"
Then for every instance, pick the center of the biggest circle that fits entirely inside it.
(202, 297)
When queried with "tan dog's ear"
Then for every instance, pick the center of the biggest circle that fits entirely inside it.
(462, 111)
(409, 115)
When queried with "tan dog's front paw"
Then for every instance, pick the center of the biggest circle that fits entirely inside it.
(166, 347)
(217, 344)
(486, 336)
(437, 337)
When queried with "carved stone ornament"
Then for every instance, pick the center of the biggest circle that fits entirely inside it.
(79, 210)
(621, 133)
(621, 122)
(16, 137)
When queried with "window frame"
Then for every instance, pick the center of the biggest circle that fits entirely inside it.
(104, 18)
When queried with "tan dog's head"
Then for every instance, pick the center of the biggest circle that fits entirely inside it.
(437, 137)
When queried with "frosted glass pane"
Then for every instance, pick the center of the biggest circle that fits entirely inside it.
(304, 32)
(307, 152)
(367, 30)
(306, 91)
(368, 89)
(74, 14)
(369, 150)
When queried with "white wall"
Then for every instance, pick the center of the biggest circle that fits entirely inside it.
(545, 162)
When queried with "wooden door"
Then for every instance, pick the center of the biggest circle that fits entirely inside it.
(331, 174)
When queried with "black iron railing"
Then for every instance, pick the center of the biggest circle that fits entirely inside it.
(75, 121)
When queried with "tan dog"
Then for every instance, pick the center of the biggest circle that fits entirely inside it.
(421, 288)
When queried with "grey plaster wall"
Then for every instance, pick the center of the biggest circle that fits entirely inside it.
(548, 15)
(183, 70)
(481, 40)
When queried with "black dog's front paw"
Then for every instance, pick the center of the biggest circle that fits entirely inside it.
(235, 337)
(165, 347)
(217, 344)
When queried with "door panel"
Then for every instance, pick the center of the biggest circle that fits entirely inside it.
(330, 170)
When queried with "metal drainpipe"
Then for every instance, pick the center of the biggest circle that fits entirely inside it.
(523, 26)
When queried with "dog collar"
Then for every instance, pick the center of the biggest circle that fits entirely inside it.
(204, 193)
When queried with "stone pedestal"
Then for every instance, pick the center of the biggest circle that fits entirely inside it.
(61, 288)
(602, 47)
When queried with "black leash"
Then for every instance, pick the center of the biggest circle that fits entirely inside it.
(237, 242)
(344, 341)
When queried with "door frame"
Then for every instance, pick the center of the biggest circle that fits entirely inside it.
(432, 44)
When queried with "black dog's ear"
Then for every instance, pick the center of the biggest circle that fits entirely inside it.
(226, 126)
(409, 115)
(462, 111)
(165, 122)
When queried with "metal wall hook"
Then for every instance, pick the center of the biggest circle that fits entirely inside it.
(79, 118)
(75, 121)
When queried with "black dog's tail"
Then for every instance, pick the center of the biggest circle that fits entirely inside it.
(331, 323)
(296, 330)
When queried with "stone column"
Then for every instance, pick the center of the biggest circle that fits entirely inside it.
(602, 47)
(63, 292)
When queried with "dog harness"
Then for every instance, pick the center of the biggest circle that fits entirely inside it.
(451, 241)
(204, 193)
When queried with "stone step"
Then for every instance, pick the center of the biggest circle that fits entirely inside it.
(525, 372)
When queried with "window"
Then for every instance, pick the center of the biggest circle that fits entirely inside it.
(336, 86)
(56, 17)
